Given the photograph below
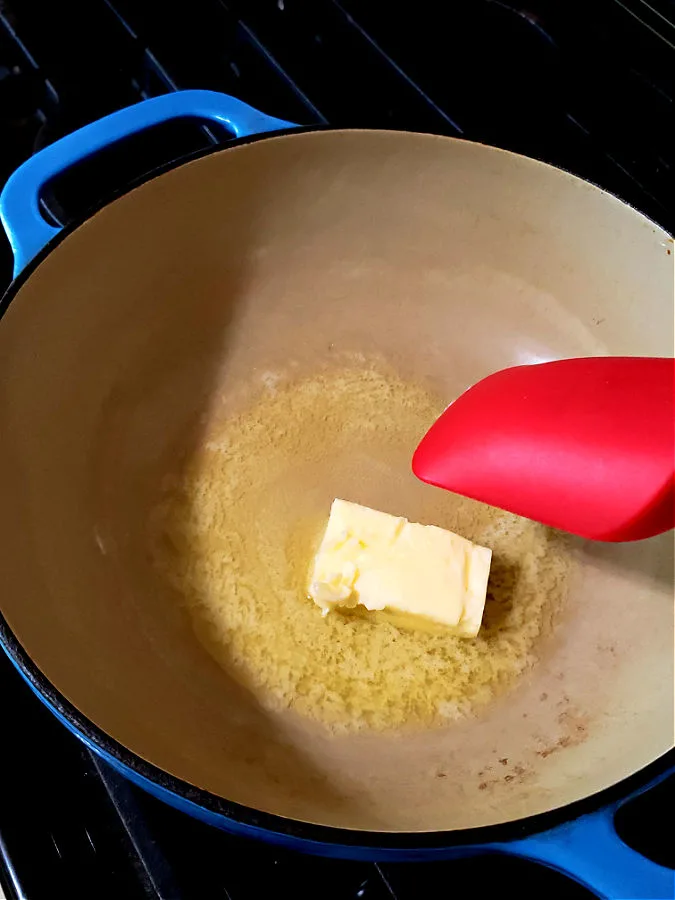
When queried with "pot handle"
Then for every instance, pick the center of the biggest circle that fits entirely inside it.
(589, 850)
(20, 214)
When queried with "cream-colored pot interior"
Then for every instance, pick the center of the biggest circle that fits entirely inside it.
(449, 259)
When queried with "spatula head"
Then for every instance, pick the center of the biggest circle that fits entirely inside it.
(584, 445)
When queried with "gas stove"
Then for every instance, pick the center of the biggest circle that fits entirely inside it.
(587, 87)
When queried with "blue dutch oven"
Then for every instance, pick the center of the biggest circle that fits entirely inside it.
(121, 335)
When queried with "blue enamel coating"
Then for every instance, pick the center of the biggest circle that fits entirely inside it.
(590, 851)
(587, 848)
(27, 230)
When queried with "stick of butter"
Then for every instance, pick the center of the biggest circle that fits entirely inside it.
(388, 563)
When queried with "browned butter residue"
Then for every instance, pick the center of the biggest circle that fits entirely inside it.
(235, 531)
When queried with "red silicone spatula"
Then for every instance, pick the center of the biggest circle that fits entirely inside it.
(584, 445)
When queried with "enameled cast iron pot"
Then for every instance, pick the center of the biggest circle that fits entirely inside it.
(453, 259)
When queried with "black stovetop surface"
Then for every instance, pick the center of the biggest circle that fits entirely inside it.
(588, 87)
